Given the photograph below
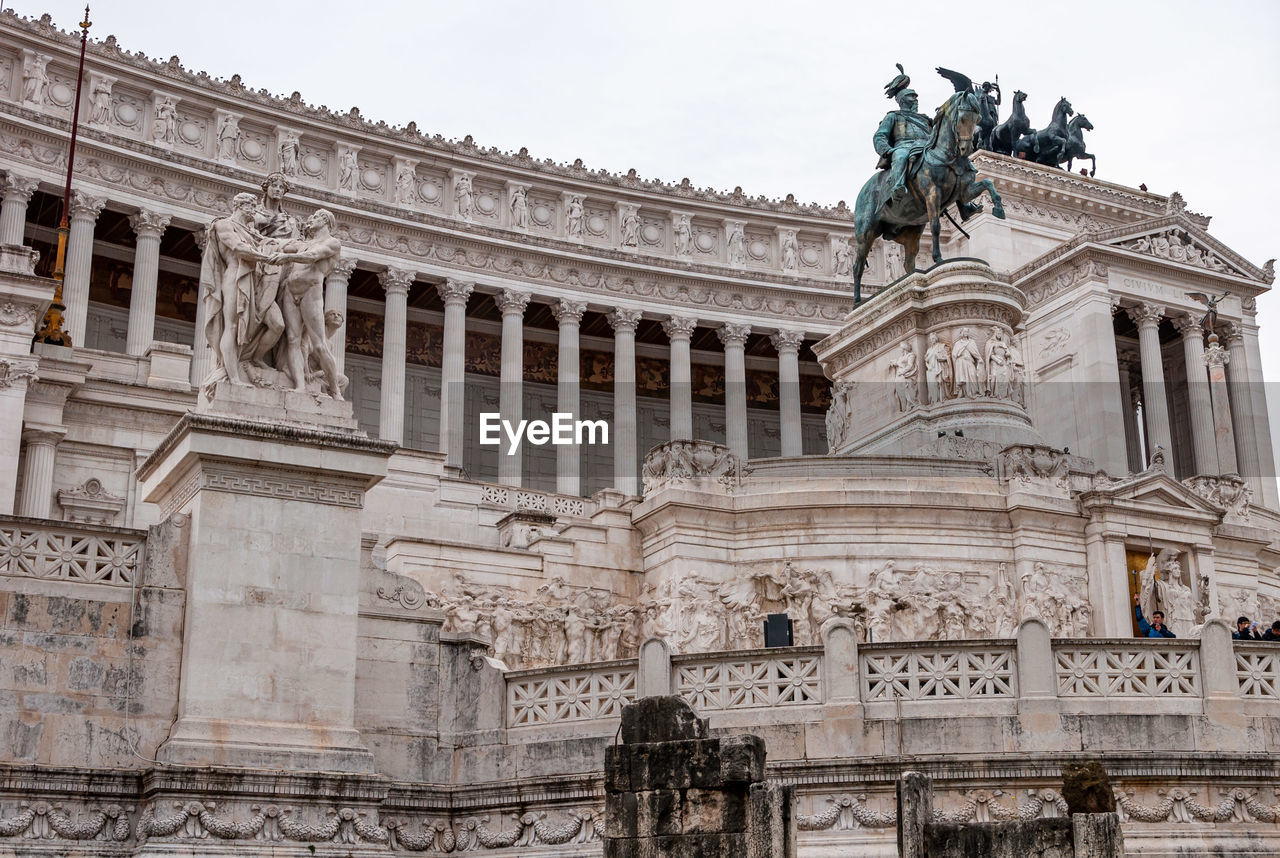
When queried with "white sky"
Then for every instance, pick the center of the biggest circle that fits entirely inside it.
(776, 97)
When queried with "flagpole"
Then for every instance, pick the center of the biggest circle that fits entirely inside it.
(51, 330)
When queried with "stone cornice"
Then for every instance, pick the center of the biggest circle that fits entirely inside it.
(231, 95)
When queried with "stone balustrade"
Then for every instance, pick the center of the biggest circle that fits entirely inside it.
(926, 678)
(32, 548)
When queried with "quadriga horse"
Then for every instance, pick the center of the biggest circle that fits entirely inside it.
(1044, 145)
(939, 176)
(1074, 147)
(1013, 129)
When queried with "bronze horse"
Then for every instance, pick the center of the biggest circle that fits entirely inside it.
(939, 175)
(1043, 146)
(1008, 133)
(1074, 146)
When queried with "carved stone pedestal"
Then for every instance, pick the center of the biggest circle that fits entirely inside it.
(933, 360)
(276, 406)
(269, 656)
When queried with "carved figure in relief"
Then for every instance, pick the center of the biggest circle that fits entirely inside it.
(164, 127)
(842, 262)
(683, 232)
(573, 217)
(406, 186)
(308, 263)
(348, 170)
(289, 145)
(839, 415)
(968, 365)
(999, 366)
(937, 370)
(100, 101)
(463, 198)
(35, 78)
(790, 252)
(905, 371)
(228, 133)
(630, 227)
(737, 245)
(519, 207)
(1003, 608)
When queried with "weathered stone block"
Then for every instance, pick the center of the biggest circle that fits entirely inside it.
(617, 769)
(771, 826)
(620, 815)
(1087, 789)
(661, 719)
(701, 846)
(658, 813)
(1097, 835)
(741, 759)
(714, 810)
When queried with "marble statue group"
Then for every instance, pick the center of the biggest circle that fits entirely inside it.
(262, 289)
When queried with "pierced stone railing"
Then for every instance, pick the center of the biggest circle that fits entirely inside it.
(1128, 675)
(1258, 671)
(981, 670)
(554, 695)
(31, 548)
(753, 679)
(1115, 668)
(531, 500)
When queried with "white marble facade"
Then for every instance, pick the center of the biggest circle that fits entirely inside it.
(1001, 438)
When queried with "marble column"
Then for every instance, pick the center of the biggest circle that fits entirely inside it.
(148, 226)
(201, 354)
(1154, 404)
(75, 281)
(679, 329)
(395, 322)
(1268, 491)
(734, 338)
(512, 303)
(1198, 398)
(13, 211)
(1241, 398)
(40, 447)
(1217, 358)
(1128, 400)
(568, 400)
(335, 300)
(788, 345)
(453, 368)
(624, 323)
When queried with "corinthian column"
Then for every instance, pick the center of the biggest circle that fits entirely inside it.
(13, 211)
(734, 338)
(1155, 406)
(1265, 492)
(453, 367)
(511, 381)
(335, 299)
(624, 323)
(788, 345)
(568, 401)
(75, 283)
(395, 321)
(148, 226)
(679, 329)
(1198, 400)
(1246, 444)
(40, 449)
(1217, 358)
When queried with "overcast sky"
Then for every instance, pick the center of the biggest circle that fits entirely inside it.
(775, 97)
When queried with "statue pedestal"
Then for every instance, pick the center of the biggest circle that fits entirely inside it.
(269, 653)
(890, 408)
(276, 406)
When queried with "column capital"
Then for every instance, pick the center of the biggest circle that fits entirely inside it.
(19, 187)
(731, 334)
(85, 207)
(1146, 315)
(1232, 334)
(455, 291)
(148, 224)
(624, 319)
(679, 327)
(1188, 324)
(512, 302)
(396, 281)
(43, 435)
(568, 312)
(1215, 355)
(343, 267)
(787, 341)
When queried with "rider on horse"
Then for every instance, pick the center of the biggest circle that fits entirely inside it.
(901, 132)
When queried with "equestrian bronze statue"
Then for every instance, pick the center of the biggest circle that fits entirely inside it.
(924, 168)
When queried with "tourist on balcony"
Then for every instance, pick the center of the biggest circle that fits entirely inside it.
(1154, 629)
(1273, 633)
(1245, 631)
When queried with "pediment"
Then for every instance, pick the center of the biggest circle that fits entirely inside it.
(1176, 238)
(1154, 488)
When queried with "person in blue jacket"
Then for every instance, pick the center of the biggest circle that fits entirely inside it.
(1154, 629)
